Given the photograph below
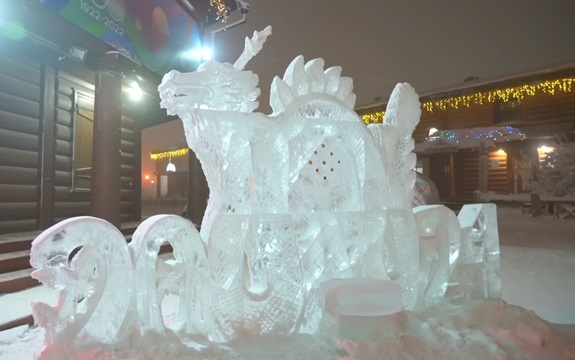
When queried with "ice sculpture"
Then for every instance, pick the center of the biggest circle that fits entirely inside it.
(425, 192)
(300, 197)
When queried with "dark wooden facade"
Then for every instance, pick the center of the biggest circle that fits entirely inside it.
(20, 142)
(544, 118)
(41, 108)
(47, 119)
(56, 124)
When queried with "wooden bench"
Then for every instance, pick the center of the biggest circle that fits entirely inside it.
(564, 211)
(526, 208)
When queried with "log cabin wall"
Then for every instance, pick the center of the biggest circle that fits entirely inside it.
(497, 174)
(474, 116)
(75, 119)
(466, 164)
(20, 109)
(450, 119)
(428, 120)
(46, 117)
(546, 114)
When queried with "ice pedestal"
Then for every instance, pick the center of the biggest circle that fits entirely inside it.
(360, 297)
(362, 318)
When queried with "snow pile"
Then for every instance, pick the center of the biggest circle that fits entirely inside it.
(480, 330)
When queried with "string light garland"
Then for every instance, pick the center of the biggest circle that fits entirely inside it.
(499, 134)
(221, 9)
(550, 87)
(373, 118)
(169, 154)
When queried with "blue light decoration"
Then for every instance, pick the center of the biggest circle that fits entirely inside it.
(499, 134)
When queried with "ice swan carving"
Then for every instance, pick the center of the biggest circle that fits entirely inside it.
(299, 197)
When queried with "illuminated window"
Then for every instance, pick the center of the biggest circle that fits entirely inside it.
(507, 111)
(83, 124)
(542, 153)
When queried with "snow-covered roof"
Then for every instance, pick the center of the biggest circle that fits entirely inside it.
(453, 140)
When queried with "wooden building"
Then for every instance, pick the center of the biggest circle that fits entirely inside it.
(171, 172)
(490, 136)
(69, 132)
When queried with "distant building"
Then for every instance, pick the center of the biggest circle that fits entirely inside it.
(170, 178)
(491, 136)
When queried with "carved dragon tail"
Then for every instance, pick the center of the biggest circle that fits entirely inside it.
(401, 117)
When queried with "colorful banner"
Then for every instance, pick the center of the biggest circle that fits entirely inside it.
(152, 32)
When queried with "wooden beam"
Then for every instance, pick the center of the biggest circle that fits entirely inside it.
(105, 199)
(46, 146)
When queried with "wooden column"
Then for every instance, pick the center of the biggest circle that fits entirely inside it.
(137, 182)
(483, 168)
(46, 153)
(451, 175)
(106, 160)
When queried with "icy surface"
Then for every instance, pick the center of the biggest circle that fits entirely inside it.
(301, 197)
(360, 297)
(424, 191)
(476, 275)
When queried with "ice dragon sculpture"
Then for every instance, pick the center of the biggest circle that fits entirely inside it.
(299, 197)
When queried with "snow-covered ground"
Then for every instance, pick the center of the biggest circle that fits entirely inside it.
(537, 268)
(538, 264)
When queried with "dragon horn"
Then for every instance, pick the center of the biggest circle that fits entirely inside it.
(252, 47)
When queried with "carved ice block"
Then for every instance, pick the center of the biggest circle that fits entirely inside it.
(183, 275)
(360, 297)
(439, 246)
(477, 275)
(87, 259)
(362, 316)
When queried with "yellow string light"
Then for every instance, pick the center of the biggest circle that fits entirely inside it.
(169, 154)
(373, 118)
(221, 9)
(550, 87)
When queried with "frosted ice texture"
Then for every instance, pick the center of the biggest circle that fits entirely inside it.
(360, 297)
(297, 198)
(424, 191)
(440, 243)
(88, 261)
(477, 273)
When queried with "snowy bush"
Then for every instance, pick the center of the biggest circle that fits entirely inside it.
(557, 171)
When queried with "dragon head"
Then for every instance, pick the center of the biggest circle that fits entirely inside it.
(214, 85)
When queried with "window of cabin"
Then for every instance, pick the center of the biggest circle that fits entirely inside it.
(83, 137)
(507, 111)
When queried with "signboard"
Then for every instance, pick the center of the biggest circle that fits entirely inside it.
(152, 32)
